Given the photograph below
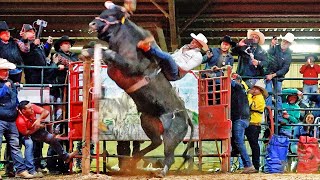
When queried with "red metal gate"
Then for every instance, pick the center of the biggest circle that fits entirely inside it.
(214, 115)
(76, 106)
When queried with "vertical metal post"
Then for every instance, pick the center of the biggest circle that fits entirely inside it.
(276, 112)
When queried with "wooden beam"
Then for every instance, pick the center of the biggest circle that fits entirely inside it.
(205, 6)
(162, 39)
(160, 8)
(86, 122)
(173, 26)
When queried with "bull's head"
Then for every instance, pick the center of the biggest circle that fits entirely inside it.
(107, 21)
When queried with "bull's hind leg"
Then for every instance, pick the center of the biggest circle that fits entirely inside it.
(153, 129)
(171, 138)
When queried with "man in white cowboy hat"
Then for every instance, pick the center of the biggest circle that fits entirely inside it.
(257, 103)
(8, 115)
(177, 65)
(281, 58)
(252, 58)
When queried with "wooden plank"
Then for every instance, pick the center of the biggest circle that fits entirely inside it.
(86, 123)
(162, 39)
(205, 6)
(173, 26)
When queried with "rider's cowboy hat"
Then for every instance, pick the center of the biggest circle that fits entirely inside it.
(262, 86)
(4, 26)
(5, 64)
(258, 33)
(228, 39)
(288, 37)
(64, 38)
(201, 39)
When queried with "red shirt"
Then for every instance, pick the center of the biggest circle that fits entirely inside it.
(24, 124)
(310, 72)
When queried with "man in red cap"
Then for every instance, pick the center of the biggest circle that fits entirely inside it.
(10, 49)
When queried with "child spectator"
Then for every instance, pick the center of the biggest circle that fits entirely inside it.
(290, 116)
(257, 103)
(302, 131)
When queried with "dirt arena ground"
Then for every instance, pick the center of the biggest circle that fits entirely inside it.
(220, 176)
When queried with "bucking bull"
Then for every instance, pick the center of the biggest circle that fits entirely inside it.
(163, 114)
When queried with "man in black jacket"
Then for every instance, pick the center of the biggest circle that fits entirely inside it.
(10, 49)
(240, 114)
(36, 56)
(252, 58)
(281, 55)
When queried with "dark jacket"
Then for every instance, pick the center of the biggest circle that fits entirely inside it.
(213, 61)
(36, 57)
(245, 66)
(239, 102)
(10, 52)
(8, 102)
(316, 99)
(61, 75)
(282, 61)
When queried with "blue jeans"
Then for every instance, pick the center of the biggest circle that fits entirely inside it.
(44, 136)
(10, 132)
(169, 67)
(308, 89)
(270, 84)
(238, 129)
(28, 154)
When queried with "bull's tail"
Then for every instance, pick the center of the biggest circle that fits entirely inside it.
(184, 155)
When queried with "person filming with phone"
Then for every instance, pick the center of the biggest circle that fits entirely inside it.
(252, 58)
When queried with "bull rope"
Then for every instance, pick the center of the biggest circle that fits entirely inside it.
(63, 120)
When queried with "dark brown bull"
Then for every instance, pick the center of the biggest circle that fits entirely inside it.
(163, 113)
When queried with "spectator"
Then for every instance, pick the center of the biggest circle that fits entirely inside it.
(302, 131)
(10, 49)
(256, 98)
(62, 58)
(252, 58)
(36, 56)
(316, 100)
(290, 116)
(178, 64)
(310, 70)
(305, 130)
(240, 121)
(8, 114)
(216, 58)
(30, 126)
(282, 58)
